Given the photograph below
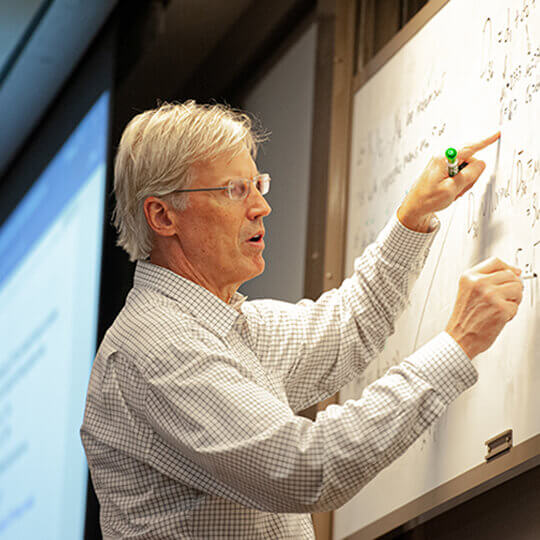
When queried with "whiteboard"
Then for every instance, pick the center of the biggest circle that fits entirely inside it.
(472, 69)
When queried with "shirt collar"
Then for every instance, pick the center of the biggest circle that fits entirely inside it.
(206, 307)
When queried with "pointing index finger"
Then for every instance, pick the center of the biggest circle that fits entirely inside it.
(468, 152)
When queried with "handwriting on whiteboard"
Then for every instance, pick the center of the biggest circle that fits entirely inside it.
(519, 74)
(528, 259)
(519, 185)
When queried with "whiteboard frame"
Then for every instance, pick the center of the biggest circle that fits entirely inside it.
(520, 458)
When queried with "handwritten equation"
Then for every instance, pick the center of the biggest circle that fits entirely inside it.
(528, 259)
(518, 74)
(520, 184)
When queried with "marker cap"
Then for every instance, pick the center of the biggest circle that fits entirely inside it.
(451, 155)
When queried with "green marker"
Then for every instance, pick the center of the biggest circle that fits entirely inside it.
(451, 158)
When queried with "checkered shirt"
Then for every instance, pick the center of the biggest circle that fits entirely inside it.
(191, 427)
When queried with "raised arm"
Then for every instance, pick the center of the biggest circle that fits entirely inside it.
(324, 344)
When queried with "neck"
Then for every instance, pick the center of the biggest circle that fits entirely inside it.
(180, 265)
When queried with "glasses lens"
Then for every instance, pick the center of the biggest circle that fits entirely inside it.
(238, 189)
(263, 183)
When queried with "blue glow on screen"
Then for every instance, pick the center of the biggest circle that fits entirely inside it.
(50, 257)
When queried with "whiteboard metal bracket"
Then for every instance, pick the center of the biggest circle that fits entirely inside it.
(499, 444)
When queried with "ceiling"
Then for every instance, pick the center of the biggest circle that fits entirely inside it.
(42, 41)
(16, 20)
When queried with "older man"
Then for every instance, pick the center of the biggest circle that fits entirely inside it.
(191, 427)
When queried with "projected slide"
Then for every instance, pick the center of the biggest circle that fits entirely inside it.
(50, 252)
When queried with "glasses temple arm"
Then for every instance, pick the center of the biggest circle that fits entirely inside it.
(200, 189)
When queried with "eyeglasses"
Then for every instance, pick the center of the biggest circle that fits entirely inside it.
(239, 188)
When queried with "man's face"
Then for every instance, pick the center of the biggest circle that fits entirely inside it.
(217, 233)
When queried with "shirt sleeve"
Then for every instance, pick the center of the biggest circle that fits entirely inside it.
(234, 439)
(320, 346)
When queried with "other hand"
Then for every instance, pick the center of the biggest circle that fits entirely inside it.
(488, 297)
(435, 190)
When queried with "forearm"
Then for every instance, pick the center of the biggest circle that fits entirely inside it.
(274, 461)
(366, 435)
(347, 327)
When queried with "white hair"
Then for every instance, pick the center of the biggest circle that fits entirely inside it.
(156, 155)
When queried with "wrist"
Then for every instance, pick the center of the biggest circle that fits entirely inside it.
(414, 220)
(465, 342)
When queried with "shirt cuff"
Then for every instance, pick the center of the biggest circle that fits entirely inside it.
(400, 243)
(445, 366)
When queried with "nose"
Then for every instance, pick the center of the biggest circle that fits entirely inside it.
(258, 205)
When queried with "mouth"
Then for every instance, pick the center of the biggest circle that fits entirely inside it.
(257, 239)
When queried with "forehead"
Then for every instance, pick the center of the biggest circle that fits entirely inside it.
(224, 167)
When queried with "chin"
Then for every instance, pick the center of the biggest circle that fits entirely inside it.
(257, 269)
(261, 266)
(250, 269)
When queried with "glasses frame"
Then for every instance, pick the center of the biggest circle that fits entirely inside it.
(229, 187)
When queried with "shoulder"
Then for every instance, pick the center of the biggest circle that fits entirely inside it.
(274, 313)
(274, 308)
(152, 329)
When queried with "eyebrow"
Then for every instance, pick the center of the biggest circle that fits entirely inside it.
(248, 177)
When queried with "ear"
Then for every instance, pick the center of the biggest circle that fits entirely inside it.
(160, 216)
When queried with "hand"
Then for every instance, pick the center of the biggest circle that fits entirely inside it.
(435, 190)
(488, 297)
